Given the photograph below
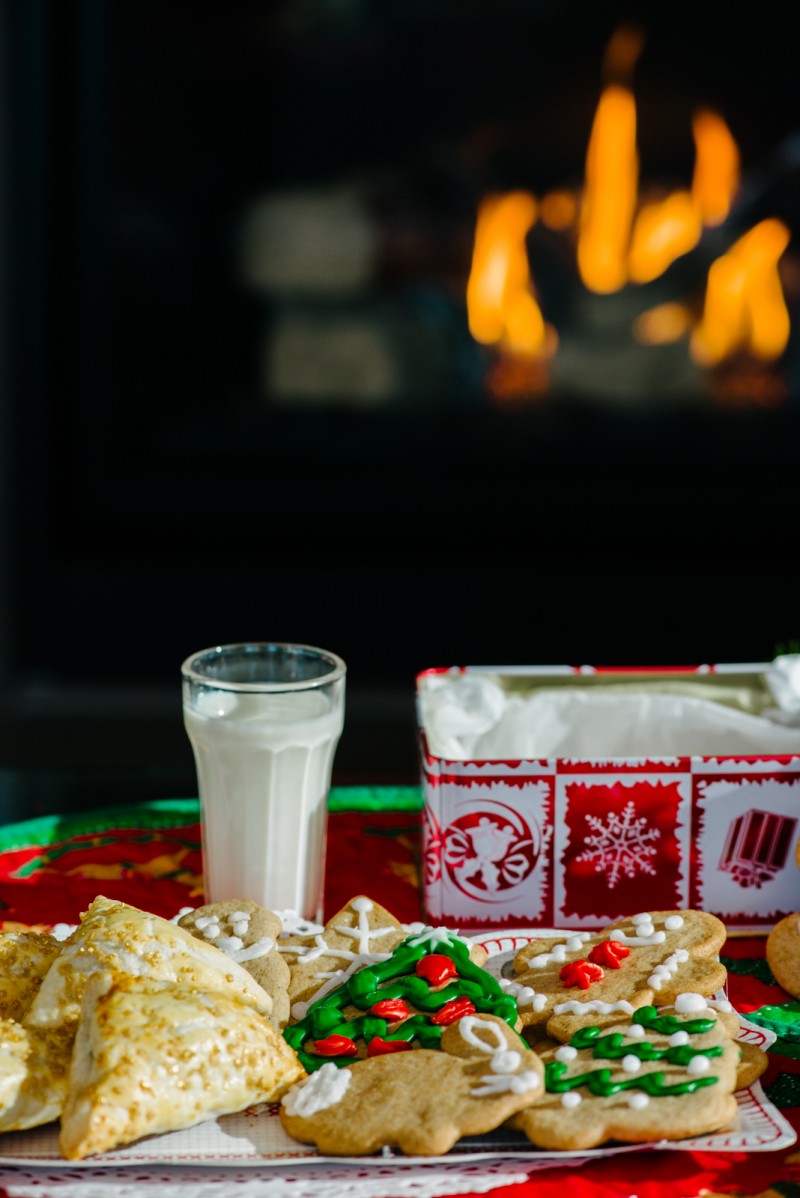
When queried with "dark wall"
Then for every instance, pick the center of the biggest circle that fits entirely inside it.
(158, 501)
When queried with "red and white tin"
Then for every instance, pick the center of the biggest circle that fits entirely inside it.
(575, 843)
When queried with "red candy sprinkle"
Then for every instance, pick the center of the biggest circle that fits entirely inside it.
(436, 969)
(391, 1009)
(378, 1047)
(580, 973)
(609, 953)
(457, 1008)
(335, 1046)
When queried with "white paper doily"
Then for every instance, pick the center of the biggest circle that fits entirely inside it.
(305, 1181)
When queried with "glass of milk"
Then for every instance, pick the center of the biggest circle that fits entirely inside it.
(264, 720)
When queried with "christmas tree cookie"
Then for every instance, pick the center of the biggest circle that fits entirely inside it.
(402, 1002)
(647, 1078)
(649, 957)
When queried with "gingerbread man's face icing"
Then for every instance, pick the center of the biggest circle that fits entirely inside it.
(649, 957)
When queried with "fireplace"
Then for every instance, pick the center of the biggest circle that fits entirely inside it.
(250, 393)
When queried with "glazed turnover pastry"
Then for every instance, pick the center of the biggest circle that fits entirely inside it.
(25, 958)
(153, 1056)
(115, 937)
(34, 1066)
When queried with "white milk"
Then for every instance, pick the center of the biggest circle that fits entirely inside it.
(263, 770)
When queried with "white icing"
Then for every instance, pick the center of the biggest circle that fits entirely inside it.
(320, 1090)
(501, 1083)
(240, 926)
(636, 1031)
(212, 931)
(362, 931)
(435, 936)
(503, 1063)
(235, 916)
(230, 944)
(566, 1053)
(525, 996)
(642, 917)
(574, 1006)
(259, 948)
(293, 924)
(667, 968)
(673, 922)
(177, 918)
(62, 931)
(678, 1039)
(203, 921)
(639, 940)
(300, 1009)
(570, 1099)
(558, 952)
(689, 1003)
(637, 1101)
(631, 1063)
(698, 1064)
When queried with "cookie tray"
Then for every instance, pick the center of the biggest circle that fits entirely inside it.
(256, 1136)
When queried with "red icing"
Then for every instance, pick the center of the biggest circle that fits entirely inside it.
(391, 1009)
(436, 969)
(335, 1046)
(378, 1047)
(609, 953)
(580, 973)
(457, 1008)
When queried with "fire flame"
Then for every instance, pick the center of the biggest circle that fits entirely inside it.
(501, 304)
(622, 240)
(744, 305)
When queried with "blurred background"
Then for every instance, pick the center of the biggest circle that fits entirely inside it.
(432, 332)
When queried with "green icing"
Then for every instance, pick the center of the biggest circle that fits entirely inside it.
(396, 978)
(612, 1046)
(600, 1084)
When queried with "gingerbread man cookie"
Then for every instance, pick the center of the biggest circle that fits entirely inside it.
(422, 1101)
(648, 1078)
(248, 934)
(318, 956)
(650, 957)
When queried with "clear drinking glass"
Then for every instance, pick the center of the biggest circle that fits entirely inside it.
(264, 720)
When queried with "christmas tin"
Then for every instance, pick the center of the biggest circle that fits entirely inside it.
(570, 796)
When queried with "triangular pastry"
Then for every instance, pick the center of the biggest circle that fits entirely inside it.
(152, 1057)
(34, 1066)
(115, 937)
(25, 958)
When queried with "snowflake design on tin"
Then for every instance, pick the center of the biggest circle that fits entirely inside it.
(620, 844)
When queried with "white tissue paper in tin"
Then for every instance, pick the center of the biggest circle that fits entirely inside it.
(471, 717)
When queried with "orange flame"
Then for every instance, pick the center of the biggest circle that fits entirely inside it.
(501, 304)
(663, 231)
(744, 305)
(716, 168)
(609, 202)
(621, 240)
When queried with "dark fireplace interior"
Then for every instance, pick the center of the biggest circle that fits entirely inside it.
(244, 398)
